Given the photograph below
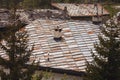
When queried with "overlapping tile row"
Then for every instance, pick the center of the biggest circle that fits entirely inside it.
(81, 9)
(3, 18)
(72, 52)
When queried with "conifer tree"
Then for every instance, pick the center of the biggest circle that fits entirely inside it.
(15, 65)
(106, 60)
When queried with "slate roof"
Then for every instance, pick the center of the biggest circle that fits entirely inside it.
(69, 54)
(75, 10)
(3, 19)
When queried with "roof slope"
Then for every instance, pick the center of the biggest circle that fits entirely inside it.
(81, 9)
(72, 52)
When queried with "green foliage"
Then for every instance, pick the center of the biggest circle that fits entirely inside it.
(65, 77)
(37, 75)
(30, 4)
(111, 9)
(18, 54)
(44, 3)
(5, 32)
(47, 75)
(9, 3)
(106, 63)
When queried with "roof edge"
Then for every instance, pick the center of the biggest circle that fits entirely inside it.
(59, 70)
(63, 71)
